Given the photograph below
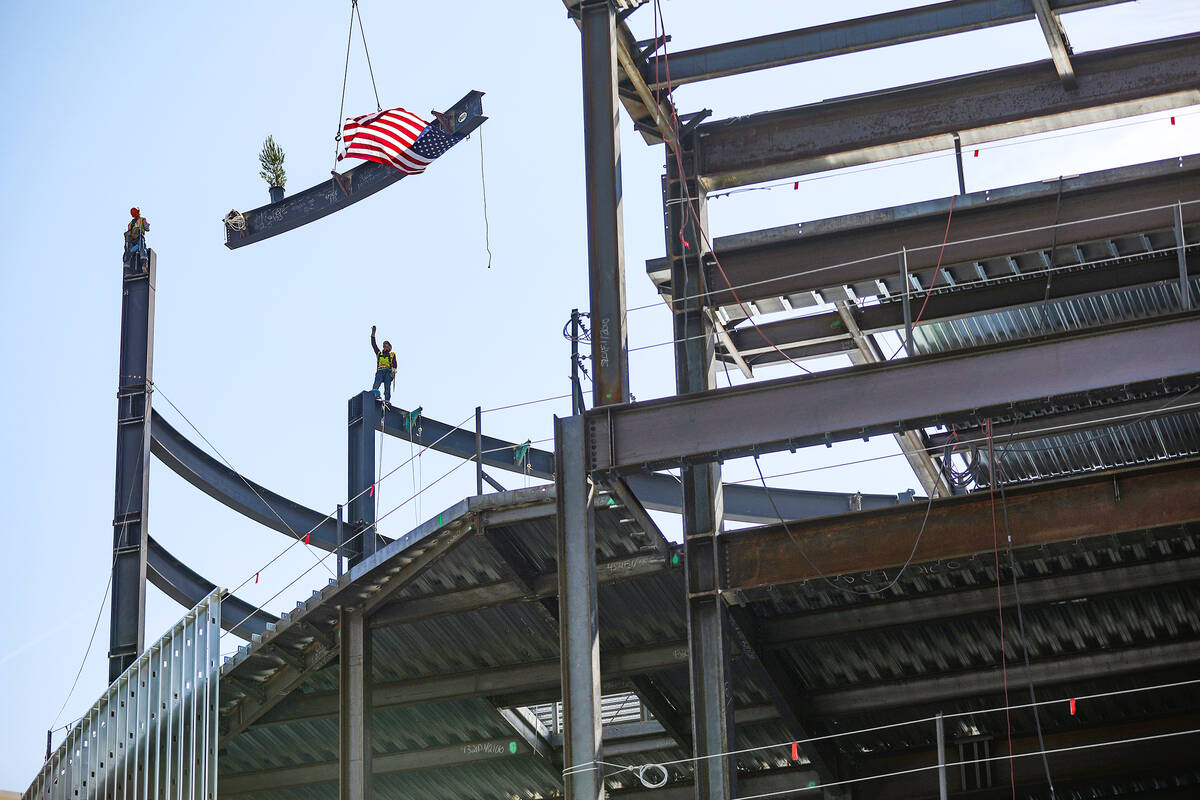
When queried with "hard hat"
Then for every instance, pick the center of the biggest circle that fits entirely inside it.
(135, 212)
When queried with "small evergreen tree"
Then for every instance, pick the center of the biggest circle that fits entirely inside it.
(271, 157)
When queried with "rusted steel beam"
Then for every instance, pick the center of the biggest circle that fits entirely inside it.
(1101, 504)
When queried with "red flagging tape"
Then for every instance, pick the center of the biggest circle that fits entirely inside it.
(1072, 706)
(977, 154)
(256, 577)
(1172, 120)
(307, 537)
(372, 493)
(795, 752)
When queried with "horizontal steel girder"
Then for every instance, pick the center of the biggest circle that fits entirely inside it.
(888, 397)
(1040, 514)
(246, 497)
(982, 107)
(541, 679)
(859, 249)
(847, 36)
(656, 492)
(802, 337)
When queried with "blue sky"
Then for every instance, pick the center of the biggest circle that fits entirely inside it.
(165, 106)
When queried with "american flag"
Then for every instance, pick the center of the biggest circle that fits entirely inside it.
(397, 138)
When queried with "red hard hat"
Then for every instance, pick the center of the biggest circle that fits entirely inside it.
(134, 212)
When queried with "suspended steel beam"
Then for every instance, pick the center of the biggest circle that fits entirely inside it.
(857, 250)
(1098, 504)
(1056, 40)
(938, 389)
(982, 107)
(847, 36)
(340, 191)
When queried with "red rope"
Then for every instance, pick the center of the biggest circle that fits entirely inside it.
(1000, 602)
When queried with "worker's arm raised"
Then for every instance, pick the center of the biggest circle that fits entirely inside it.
(374, 346)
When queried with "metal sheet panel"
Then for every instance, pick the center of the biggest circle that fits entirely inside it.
(153, 733)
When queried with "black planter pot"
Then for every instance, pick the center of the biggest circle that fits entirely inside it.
(276, 194)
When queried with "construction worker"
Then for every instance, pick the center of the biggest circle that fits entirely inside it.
(135, 238)
(385, 368)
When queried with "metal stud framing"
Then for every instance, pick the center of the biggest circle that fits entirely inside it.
(153, 734)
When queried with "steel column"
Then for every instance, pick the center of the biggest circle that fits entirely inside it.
(685, 210)
(602, 157)
(848, 36)
(360, 452)
(354, 713)
(127, 627)
(579, 637)
(1185, 289)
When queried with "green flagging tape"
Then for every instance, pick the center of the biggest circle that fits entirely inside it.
(612, 502)
(521, 452)
(440, 520)
(512, 747)
(674, 558)
(411, 418)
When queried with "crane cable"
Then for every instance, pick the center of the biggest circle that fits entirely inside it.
(354, 13)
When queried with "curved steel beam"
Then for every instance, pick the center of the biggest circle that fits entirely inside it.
(186, 587)
(656, 491)
(221, 483)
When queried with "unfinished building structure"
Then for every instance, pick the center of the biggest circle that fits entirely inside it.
(1031, 627)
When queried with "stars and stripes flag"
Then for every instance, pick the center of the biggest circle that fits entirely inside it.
(397, 138)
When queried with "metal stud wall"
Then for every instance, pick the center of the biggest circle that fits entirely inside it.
(153, 734)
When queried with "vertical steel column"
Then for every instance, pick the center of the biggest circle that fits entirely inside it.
(1185, 290)
(606, 254)
(941, 747)
(127, 626)
(908, 321)
(354, 711)
(341, 538)
(360, 452)
(578, 627)
(962, 178)
(479, 451)
(695, 370)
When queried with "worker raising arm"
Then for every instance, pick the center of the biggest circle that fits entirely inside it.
(385, 368)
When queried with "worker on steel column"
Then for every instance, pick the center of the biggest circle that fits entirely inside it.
(385, 368)
(135, 239)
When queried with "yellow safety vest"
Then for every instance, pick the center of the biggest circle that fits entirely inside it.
(136, 228)
(385, 360)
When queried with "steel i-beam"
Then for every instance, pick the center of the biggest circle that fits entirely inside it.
(695, 371)
(354, 715)
(360, 453)
(130, 533)
(602, 159)
(579, 632)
